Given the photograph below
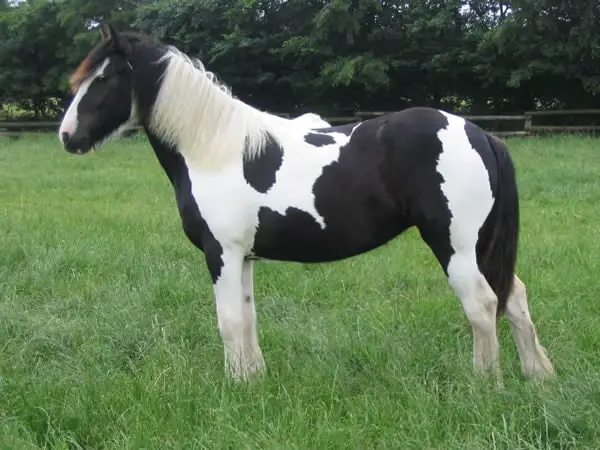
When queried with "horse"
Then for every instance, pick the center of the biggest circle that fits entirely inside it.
(250, 185)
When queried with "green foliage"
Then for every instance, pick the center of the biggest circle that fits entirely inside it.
(30, 72)
(329, 55)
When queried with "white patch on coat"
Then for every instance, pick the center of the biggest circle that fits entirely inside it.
(466, 183)
(302, 165)
(233, 215)
(215, 133)
(467, 189)
(312, 120)
(70, 121)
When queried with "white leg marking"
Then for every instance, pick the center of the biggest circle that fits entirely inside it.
(479, 303)
(467, 189)
(255, 356)
(236, 319)
(534, 361)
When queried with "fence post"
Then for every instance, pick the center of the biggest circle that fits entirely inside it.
(527, 126)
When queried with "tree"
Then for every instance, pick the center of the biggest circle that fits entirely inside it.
(30, 73)
(329, 56)
(548, 49)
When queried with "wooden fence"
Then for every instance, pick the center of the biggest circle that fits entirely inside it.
(501, 125)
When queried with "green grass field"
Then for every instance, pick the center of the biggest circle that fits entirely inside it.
(108, 335)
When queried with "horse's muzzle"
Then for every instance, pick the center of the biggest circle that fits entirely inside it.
(75, 144)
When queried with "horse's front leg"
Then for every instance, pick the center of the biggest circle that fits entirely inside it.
(257, 362)
(236, 315)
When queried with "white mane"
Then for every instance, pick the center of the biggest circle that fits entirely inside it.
(199, 115)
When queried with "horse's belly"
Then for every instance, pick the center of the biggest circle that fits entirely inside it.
(296, 236)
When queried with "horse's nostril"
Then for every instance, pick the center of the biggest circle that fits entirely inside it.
(66, 137)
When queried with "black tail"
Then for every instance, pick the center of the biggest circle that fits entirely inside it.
(498, 238)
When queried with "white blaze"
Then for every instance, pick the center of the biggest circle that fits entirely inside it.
(70, 121)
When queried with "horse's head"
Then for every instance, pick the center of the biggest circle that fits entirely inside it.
(103, 106)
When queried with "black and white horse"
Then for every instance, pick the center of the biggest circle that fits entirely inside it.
(251, 185)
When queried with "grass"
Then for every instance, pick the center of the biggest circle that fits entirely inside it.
(108, 336)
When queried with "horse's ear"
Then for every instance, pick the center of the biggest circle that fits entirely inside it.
(107, 32)
(118, 42)
(103, 34)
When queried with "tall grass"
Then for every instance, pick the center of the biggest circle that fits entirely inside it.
(108, 336)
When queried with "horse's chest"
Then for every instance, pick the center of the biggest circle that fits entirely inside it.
(218, 206)
(226, 203)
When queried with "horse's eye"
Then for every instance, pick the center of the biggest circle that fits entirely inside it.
(102, 77)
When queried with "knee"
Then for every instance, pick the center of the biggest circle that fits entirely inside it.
(481, 311)
(518, 289)
(517, 310)
(231, 322)
(481, 319)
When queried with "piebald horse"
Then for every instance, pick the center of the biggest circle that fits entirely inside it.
(250, 185)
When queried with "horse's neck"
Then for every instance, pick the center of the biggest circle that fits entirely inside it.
(203, 121)
(169, 158)
(148, 69)
(189, 109)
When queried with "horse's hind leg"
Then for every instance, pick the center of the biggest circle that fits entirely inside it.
(478, 300)
(534, 361)
(480, 304)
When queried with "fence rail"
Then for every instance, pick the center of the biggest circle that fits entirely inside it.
(498, 124)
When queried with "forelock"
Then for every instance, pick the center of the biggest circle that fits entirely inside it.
(96, 56)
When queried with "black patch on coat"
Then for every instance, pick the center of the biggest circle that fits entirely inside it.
(384, 182)
(147, 72)
(416, 135)
(260, 172)
(479, 141)
(193, 223)
(319, 140)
